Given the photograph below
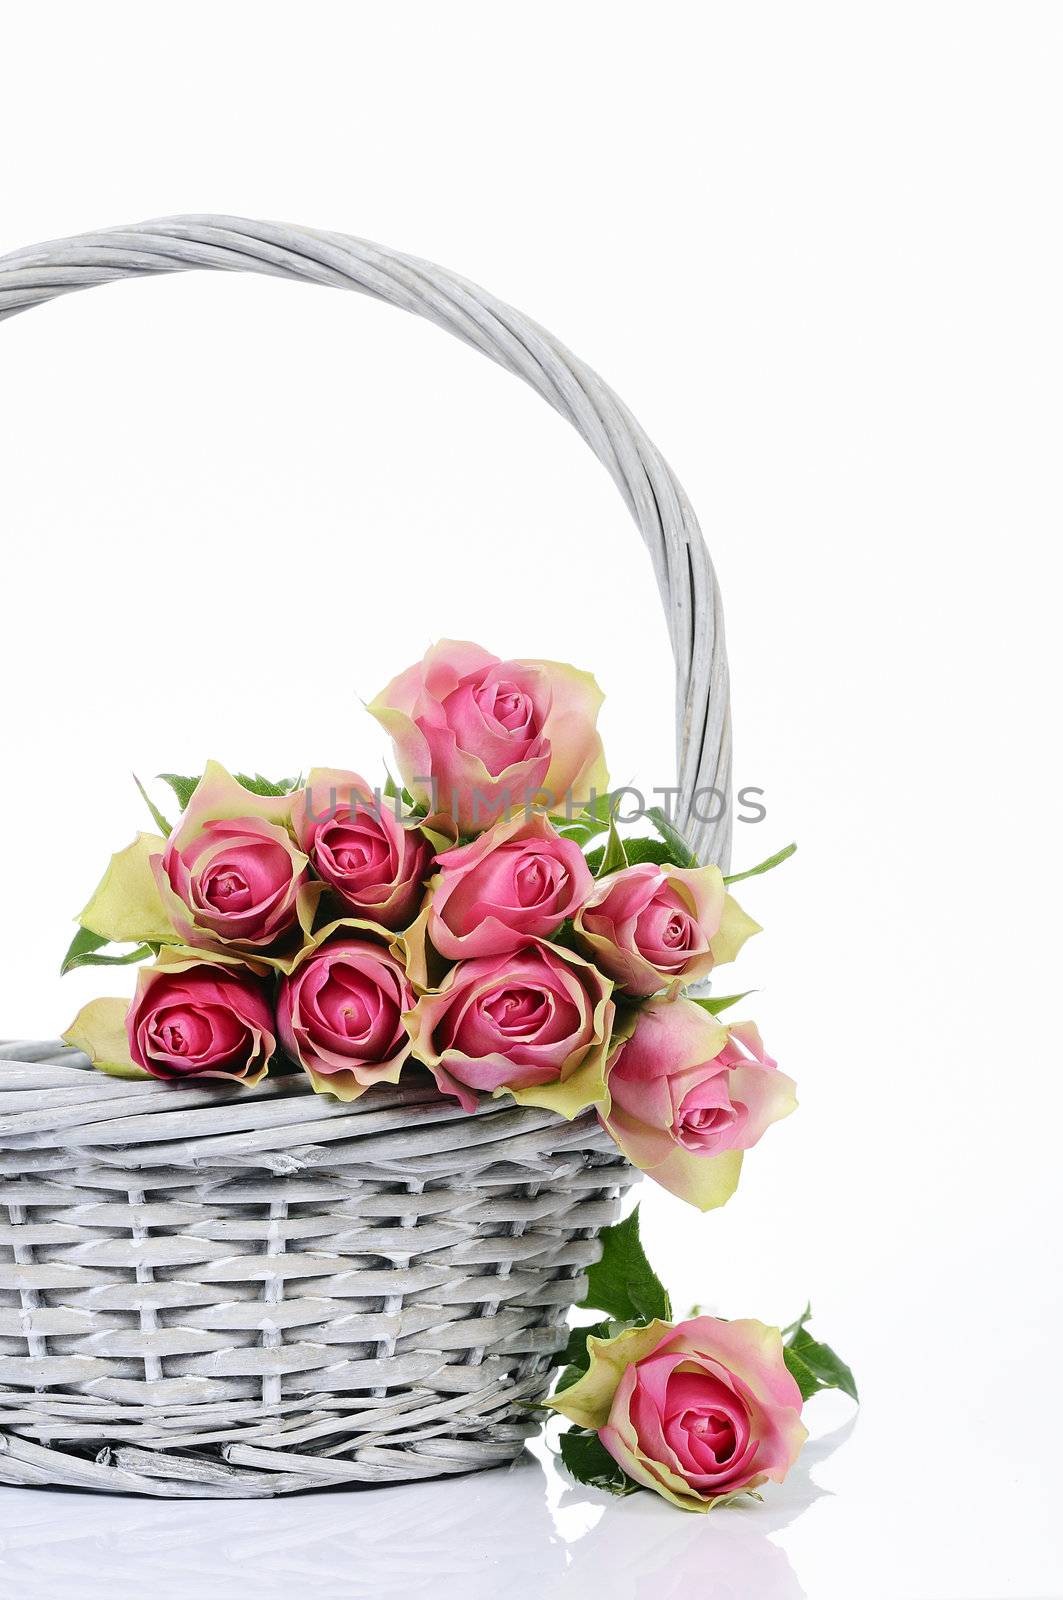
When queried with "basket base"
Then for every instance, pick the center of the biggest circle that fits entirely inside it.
(126, 1470)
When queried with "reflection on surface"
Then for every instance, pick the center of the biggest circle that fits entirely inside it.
(635, 1551)
(407, 1540)
(525, 1533)
(642, 1550)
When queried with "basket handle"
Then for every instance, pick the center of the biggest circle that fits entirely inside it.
(685, 577)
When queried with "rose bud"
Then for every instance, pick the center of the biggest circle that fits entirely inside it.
(688, 1095)
(536, 1023)
(697, 1412)
(201, 1019)
(476, 738)
(230, 874)
(652, 927)
(339, 1013)
(359, 846)
(518, 881)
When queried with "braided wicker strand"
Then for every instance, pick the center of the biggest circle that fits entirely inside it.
(685, 577)
(211, 1293)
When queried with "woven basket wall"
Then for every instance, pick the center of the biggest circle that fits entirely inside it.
(219, 1292)
(286, 1291)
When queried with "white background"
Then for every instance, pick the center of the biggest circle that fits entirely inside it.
(818, 250)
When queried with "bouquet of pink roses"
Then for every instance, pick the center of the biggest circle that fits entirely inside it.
(485, 922)
(469, 924)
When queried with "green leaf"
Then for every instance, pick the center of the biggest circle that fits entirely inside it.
(814, 1366)
(593, 820)
(796, 1327)
(603, 807)
(765, 866)
(393, 792)
(637, 850)
(714, 1004)
(265, 786)
(682, 855)
(614, 856)
(84, 944)
(164, 827)
(580, 833)
(622, 1283)
(84, 952)
(655, 850)
(565, 939)
(183, 788)
(588, 1461)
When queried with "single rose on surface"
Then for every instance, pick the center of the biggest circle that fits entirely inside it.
(476, 737)
(652, 927)
(198, 1019)
(357, 843)
(537, 1022)
(697, 1411)
(340, 1011)
(518, 881)
(231, 877)
(687, 1095)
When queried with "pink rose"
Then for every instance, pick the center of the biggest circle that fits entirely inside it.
(340, 1012)
(230, 875)
(651, 927)
(688, 1095)
(536, 1023)
(360, 847)
(476, 737)
(518, 881)
(697, 1412)
(201, 1019)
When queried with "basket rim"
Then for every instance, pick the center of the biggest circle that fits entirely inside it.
(51, 1099)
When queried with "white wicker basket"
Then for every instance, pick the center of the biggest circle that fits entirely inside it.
(228, 1293)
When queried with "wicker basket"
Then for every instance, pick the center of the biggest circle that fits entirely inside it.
(222, 1293)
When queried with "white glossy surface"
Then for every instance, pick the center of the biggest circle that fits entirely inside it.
(834, 1531)
(525, 1533)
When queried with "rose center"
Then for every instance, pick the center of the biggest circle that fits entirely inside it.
(518, 1010)
(227, 889)
(354, 850)
(352, 856)
(355, 1019)
(347, 1004)
(505, 704)
(717, 1431)
(708, 1119)
(707, 1116)
(665, 931)
(181, 1032)
(536, 881)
